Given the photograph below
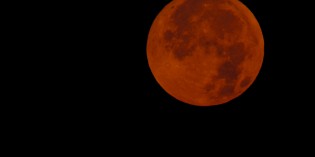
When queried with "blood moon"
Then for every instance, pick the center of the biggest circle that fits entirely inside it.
(205, 52)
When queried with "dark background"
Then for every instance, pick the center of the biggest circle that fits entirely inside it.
(88, 60)
(80, 69)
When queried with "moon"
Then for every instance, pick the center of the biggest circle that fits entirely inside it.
(205, 52)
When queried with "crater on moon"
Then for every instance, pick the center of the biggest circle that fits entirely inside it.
(245, 81)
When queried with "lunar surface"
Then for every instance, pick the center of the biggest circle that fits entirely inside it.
(205, 52)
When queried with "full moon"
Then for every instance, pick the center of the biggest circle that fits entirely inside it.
(205, 52)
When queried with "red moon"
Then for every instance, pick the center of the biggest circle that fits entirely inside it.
(205, 52)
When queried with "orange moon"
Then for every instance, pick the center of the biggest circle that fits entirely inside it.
(205, 52)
